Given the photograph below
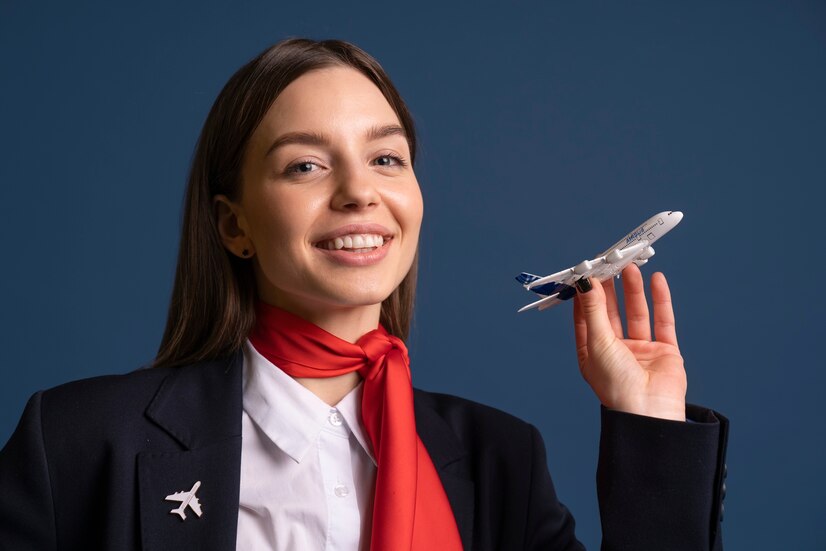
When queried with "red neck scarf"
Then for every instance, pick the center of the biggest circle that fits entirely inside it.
(410, 509)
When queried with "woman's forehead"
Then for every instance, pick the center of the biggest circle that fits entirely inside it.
(329, 100)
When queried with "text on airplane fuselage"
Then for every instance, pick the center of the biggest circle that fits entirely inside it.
(634, 235)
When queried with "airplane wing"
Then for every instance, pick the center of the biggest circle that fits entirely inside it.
(559, 277)
(177, 496)
(543, 303)
(195, 505)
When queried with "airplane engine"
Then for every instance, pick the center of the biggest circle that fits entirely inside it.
(640, 261)
(614, 257)
(583, 267)
(647, 253)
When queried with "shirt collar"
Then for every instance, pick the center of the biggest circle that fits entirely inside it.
(289, 413)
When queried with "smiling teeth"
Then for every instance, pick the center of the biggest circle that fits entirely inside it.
(356, 242)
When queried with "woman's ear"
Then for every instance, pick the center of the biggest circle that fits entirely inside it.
(232, 227)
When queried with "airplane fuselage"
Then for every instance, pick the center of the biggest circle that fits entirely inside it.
(650, 230)
(634, 247)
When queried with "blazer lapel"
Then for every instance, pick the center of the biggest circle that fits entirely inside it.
(451, 462)
(200, 407)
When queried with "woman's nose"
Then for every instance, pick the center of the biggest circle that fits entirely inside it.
(355, 190)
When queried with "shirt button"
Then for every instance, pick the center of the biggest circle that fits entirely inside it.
(341, 490)
(335, 418)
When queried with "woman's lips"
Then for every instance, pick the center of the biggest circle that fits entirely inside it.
(367, 228)
(364, 256)
(353, 241)
(362, 244)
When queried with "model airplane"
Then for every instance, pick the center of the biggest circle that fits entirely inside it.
(187, 499)
(634, 247)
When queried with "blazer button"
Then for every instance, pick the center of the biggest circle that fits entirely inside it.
(723, 491)
(725, 470)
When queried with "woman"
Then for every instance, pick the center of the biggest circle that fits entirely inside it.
(279, 412)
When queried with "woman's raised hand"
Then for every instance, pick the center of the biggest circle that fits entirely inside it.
(635, 374)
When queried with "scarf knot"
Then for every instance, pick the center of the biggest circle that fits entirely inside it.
(378, 345)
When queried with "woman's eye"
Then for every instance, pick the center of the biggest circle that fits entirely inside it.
(390, 160)
(301, 168)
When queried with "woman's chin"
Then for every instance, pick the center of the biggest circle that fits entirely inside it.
(335, 300)
(357, 290)
(360, 299)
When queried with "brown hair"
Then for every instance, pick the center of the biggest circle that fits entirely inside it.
(212, 308)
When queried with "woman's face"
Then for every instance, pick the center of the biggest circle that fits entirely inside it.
(329, 203)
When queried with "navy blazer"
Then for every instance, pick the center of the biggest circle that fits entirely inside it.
(91, 462)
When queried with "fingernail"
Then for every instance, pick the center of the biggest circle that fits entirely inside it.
(583, 284)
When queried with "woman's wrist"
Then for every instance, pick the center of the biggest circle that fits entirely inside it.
(658, 407)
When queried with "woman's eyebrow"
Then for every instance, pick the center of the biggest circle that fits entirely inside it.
(314, 138)
(378, 132)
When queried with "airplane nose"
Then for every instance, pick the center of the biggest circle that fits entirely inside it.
(676, 215)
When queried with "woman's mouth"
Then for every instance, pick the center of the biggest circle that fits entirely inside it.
(355, 243)
(356, 249)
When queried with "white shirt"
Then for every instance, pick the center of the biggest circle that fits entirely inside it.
(307, 469)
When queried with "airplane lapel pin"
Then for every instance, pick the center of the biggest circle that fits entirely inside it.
(634, 247)
(187, 499)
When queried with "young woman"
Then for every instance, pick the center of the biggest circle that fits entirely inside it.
(279, 412)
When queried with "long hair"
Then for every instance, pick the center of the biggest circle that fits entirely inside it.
(212, 308)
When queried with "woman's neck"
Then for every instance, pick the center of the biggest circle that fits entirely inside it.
(348, 324)
(331, 389)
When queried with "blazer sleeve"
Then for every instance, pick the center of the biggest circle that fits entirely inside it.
(26, 508)
(660, 483)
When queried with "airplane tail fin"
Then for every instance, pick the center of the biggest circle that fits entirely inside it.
(524, 278)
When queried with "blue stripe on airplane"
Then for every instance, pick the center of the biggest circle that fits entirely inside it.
(565, 291)
(547, 289)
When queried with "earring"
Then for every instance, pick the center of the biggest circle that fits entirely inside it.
(245, 253)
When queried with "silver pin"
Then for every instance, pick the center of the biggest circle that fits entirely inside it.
(187, 499)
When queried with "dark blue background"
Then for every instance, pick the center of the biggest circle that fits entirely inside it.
(548, 130)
